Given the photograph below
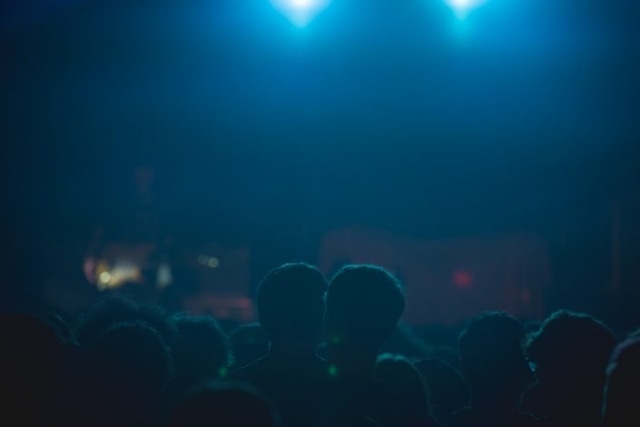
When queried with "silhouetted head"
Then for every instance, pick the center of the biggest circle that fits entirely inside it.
(400, 378)
(248, 343)
(492, 360)
(447, 390)
(116, 309)
(364, 304)
(290, 303)
(132, 354)
(200, 349)
(620, 407)
(125, 372)
(30, 359)
(225, 405)
(570, 353)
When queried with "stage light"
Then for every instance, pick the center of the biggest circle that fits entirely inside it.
(462, 8)
(105, 277)
(300, 12)
(462, 279)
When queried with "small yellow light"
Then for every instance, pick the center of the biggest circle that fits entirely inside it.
(213, 262)
(105, 277)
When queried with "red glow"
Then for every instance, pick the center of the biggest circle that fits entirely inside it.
(462, 279)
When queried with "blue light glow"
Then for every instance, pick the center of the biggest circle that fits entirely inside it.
(300, 12)
(462, 8)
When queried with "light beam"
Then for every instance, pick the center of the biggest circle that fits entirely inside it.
(300, 12)
(462, 8)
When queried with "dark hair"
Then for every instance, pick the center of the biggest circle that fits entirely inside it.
(201, 347)
(30, 360)
(570, 353)
(290, 302)
(491, 349)
(225, 404)
(116, 309)
(571, 344)
(398, 373)
(131, 352)
(364, 304)
(409, 397)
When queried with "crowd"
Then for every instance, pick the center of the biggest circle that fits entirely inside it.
(324, 353)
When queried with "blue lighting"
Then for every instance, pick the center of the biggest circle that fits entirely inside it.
(462, 8)
(300, 12)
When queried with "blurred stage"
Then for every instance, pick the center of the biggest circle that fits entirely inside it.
(447, 280)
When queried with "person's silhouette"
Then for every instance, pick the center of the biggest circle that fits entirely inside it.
(495, 369)
(570, 353)
(364, 305)
(224, 405)
(406, 388)
(31, 357)
(248, 344)
(620, 408)
(200, 351)
(124, 373)
(290, 305)
(447, 391)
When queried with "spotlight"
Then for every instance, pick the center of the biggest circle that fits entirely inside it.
(300, 12)
(462, 8)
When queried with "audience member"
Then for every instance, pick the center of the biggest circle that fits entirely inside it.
(495, 370)
(290, 304)
(623, 386)
(30, 359)
(405, 387)
(364, 305)
(200, 352)
(114, 309)
(447, 390)
(570, 353)
(248, 344)
(225, 405)
(124, 370)
(322, 355)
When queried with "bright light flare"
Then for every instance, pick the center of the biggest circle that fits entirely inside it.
(462, 8)
(300, 12)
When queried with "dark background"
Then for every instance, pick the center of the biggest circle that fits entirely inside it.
(388, 114)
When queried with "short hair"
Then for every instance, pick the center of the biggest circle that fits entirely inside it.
(571, 346)
(132, 352)
(364, 305)
(491, 349)
(117, 309)
(290, 302)
(201, 348)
